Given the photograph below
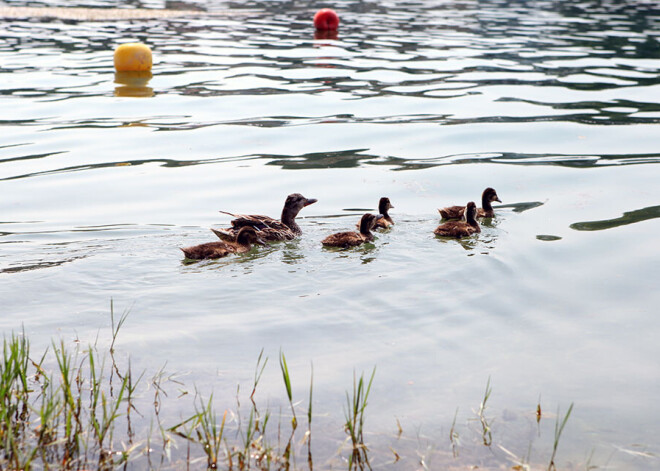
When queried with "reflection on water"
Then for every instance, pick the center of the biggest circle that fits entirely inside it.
(520, 207)
(133, 84)
(346, 159)
(548, 238)
(628, 217)
(38, 265)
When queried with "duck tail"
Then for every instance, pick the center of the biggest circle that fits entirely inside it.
(230, 214)
(224, 235)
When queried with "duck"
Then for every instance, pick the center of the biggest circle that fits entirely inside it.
(245, 237)
(486, 211)
(353, 239)
(461, 228)
(269, 229)
(383, 206)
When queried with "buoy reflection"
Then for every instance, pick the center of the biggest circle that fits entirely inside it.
(133, 84)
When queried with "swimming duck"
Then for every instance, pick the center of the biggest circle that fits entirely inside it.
(352, 239)
(461, 228)
(245, 237)
(486, 211)
(383, 206)
(270, 229)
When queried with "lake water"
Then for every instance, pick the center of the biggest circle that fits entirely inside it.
(554, 104)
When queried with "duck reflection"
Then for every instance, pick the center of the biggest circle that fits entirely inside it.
(628, 217)
(133, 84)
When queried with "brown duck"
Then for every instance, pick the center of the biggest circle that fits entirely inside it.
(352, 239)
(270, 229)
(461, 228)
(384, 206)
(245, 237)
(486, 211)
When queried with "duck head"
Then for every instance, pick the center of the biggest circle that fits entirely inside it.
(489, 195)
(293, 204)
(471, 213)
(383, 205)
(367, 222)
(248, 235)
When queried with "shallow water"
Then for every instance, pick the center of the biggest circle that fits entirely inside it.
(554, 105)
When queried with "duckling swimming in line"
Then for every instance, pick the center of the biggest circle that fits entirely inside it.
(353, 239)
(383, 206)
(245, 237)
(270, 229)
(486, 211)
(461, 228)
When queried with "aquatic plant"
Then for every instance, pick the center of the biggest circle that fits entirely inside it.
(356, 405)
(559, 428)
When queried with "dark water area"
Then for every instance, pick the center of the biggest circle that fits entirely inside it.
(555, 104)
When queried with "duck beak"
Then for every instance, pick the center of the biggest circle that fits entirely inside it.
(310, 201)
(497, 198)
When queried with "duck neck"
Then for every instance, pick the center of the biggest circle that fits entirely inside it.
(382, 209)
(365, 231)
(367, 235)
(485, 203)
(471, 220)
(289, 220)
(386, 215)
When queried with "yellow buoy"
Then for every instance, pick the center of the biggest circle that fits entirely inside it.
(132, 57)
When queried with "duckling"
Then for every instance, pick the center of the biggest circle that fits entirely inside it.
(461, 228)
(383, 206)
(270, 229)
(486, 211)
(245, 237)
(352, 239)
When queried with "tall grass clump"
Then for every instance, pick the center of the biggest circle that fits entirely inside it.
(63, 419)
(15, 405)
(354, 426)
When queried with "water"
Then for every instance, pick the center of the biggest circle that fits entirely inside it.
(553, 104)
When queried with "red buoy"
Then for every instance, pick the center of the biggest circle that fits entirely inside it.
(326, 20)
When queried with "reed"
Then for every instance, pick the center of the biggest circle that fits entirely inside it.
(559, 428)
(486, 432)
(354, 426)
(454, 438)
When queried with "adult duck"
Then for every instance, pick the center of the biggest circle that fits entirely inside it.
(245, 237)
(270, 229)
(461, 228)
(486, 211)
(353, 239)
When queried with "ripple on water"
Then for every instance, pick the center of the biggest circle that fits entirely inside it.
(550, 102)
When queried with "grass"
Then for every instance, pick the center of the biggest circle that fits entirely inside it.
(354, 413)
(84, 411)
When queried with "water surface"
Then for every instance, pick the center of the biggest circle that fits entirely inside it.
(555, 105)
